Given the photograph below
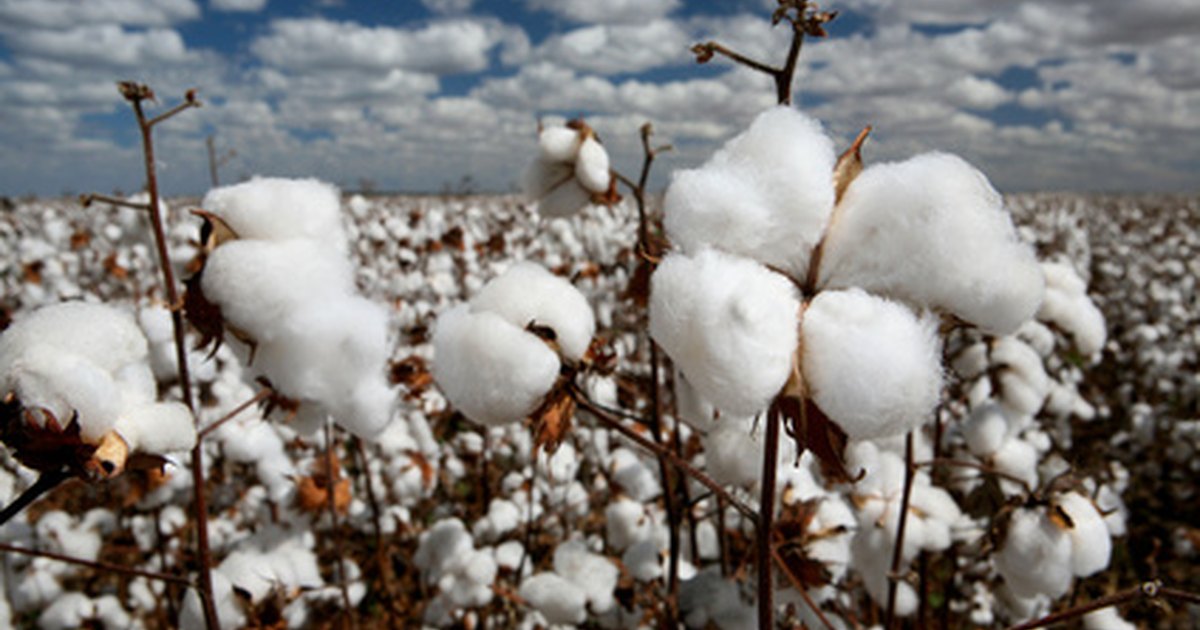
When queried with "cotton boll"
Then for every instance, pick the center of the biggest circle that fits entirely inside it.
(729, 324)
(229, 611)
(985, 430)
(593, 573)
(709, 599)
(67, 612)
(871, 365)
(558, 599)
(1017, 458)
(1036, 556)
(765, 195)
(643, 560)
(690, 406)
(933, 231)
(559, 144)
(528, 294)
(634, 476)
(1091, 546)
(591, 166)
(158, 428)
(625, 523)
(491, 370)
(732, 455)
(1067, 306)
(271, 208)
(1106, 619)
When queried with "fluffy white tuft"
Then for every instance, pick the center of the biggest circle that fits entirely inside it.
(933, 231)
(729, 324)
(870, 364)
(1091, 545)
(1035, 558)
(270, 208)
(558, 599)
(528, 294)
(766, 194)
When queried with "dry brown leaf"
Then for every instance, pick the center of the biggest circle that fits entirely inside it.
(114, 268)
(312, 491)
(552, 420)
(413, 373)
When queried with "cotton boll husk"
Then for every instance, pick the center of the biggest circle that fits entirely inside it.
(1035, 557)
(591, 166)
(270, 208)
(527, 293)
(729, 324)
(870, 364)
(1091, 546)
(158, 428)
(933, 231)
(558, 599)
(491, 370)
(257, 284)
(766, 194)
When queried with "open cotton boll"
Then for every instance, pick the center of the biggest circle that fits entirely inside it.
(559, 144)
(729, 324)
(558, 599)
(592, 573)
(1068, 307)
(1091, 545)
(1035, 557)
(933, 231)
(1106, 619)
(229, 610)
(732, 454)
(870, 364)
(766, 194)
(489, 369)
(591, 166)
(158, 428)
(271, 208)
(528, 294)
(257, 284)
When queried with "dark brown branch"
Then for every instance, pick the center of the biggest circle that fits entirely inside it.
(46, 482)
(99, 566)
(90, 198)
(1146, 590)
(605, 417)
(705, 51)
(189, 102)
(799, 586)
(766, 522)
(898, 551)
(262, 394)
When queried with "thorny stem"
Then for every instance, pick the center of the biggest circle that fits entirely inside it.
(766, 522)
(609, 419)
(897, 551)
(1146, 590)
(199, 503)
(99, 566)
(331, 503)
(262, 394)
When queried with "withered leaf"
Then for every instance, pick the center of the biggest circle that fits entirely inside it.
(202, 314)
(114, 268)
(455, 238)
(812, 430)
(552, 420)
(312, 491)
(413, 373)
(419, 460)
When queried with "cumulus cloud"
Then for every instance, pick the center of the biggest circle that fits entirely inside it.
(69, 13)
(448, 6)
(246, 6)
(621, 48)
(606, 11)
(445, 47)
(103, 44)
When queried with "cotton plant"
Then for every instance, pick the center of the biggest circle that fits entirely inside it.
(795, 271)
(571, 170)
(79, 393)
(581, 582)
(277, 279)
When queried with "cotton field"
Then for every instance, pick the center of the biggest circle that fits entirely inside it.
(1061, 468)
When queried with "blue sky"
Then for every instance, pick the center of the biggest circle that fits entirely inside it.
(415, 95)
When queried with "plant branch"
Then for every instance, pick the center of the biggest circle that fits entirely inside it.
(766, 522)
(90, 198)
(898, 550)
(607, 418)
(1151, 590)
(262, 394)
(46, 482)
(799, 586)
(99, 566)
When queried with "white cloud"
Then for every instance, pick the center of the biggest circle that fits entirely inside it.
(104, 44)
(445, 47)
(973, 92)
(606, 11)
(245, 6)
(71, 13)
(612, 49)
(448, 6)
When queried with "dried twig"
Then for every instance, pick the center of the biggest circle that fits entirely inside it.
(897, 551)
(766, 521)
(99, 566)
(1151, 590)
(259, 396)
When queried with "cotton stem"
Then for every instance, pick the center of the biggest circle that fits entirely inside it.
(897, 551)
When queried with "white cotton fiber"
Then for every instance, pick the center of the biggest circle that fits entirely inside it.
(564, 199)
(559, 144)
(528, 294)
(1091, 545)
(592, 573)
(985, 429)
(1035, 558)
(766, 194)
(258, 283)
(558, 599)
(591, 166)
(489, 369)
(158, 428)
(870, 364)
(270, 208)
(729, 324)
(1068, 307)
(570, 166)
(933, 231)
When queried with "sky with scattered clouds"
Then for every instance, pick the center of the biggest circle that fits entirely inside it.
(416, 95)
